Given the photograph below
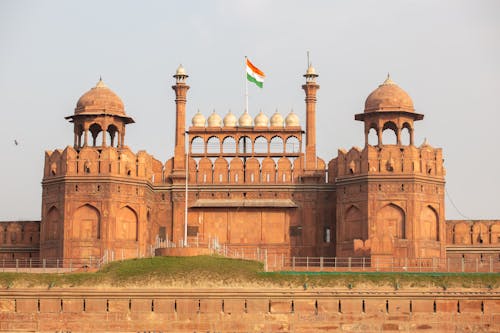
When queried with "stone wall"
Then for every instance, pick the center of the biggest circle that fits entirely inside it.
(19, 239)
(248, 311)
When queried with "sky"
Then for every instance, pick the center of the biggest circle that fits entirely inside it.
(445, 54)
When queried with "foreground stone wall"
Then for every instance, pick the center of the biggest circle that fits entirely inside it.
(248, 311)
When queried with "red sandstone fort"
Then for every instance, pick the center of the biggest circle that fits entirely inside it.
(250, 183)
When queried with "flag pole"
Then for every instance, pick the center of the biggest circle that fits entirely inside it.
(246, 86)
(244, 139)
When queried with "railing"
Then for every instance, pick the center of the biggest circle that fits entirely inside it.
(387, 264)
(275, 259)
(50, 265)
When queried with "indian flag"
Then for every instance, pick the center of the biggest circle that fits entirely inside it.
(254, 74)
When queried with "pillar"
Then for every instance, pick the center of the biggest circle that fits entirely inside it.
(310, 88)
(180, 89)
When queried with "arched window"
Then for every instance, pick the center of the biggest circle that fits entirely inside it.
(96, 132)
(245, 145)
(372, 136)
(292, 145)
(113, 134)
(197, 145)
(389, 136)
(406, 134)
(260, 145)
(79, 136)
(276, 145)
(213, 145)
(229, 145)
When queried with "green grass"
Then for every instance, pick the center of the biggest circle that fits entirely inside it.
(214, 271)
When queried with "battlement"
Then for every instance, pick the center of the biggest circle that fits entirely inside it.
(388, 160)
(106, 161)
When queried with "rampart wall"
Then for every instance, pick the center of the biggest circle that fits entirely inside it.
(248, 311)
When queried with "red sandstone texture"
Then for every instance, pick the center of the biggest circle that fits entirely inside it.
(248, 311)
(253, 183)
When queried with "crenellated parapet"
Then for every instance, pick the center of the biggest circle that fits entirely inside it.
(108, 161)
(389, 160)
(473, 232)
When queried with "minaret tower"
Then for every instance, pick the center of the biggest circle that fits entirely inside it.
(180, 89)
(310, 88)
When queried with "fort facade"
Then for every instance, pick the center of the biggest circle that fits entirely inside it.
(248, 182)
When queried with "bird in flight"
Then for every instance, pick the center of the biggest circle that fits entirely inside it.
(16, 143)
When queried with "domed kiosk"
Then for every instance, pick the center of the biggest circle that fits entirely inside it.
(389, 107)
(99, 110)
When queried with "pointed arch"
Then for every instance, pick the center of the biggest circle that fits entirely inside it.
(197, 145)
(52, 222)
(407, 134)
(352, 224)
(391, 222)
(112, 133)
(292, 144)
(260, 145)
(229, 145)
(213, 145)
(245, 145)
(276, 144)
(429, 224)
(96, 132)
(126, 227)
(86, 223)
(389, 133)
(372, 135)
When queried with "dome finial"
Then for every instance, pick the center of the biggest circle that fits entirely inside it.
(388, 80)
(100, 83)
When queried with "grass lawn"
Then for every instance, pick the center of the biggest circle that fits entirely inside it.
(214, 271)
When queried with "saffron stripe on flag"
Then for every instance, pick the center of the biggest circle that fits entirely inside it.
(255, 69)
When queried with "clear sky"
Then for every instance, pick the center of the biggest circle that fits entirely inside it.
(445, 54)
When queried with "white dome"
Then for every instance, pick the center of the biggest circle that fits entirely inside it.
(230, 120)
(198, 120)
(277, 120)
(292, 120)
(180, 71)
(261, 120)
(214, 120)
(245, 120)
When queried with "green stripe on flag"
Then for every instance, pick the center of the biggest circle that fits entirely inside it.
(252, 79)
